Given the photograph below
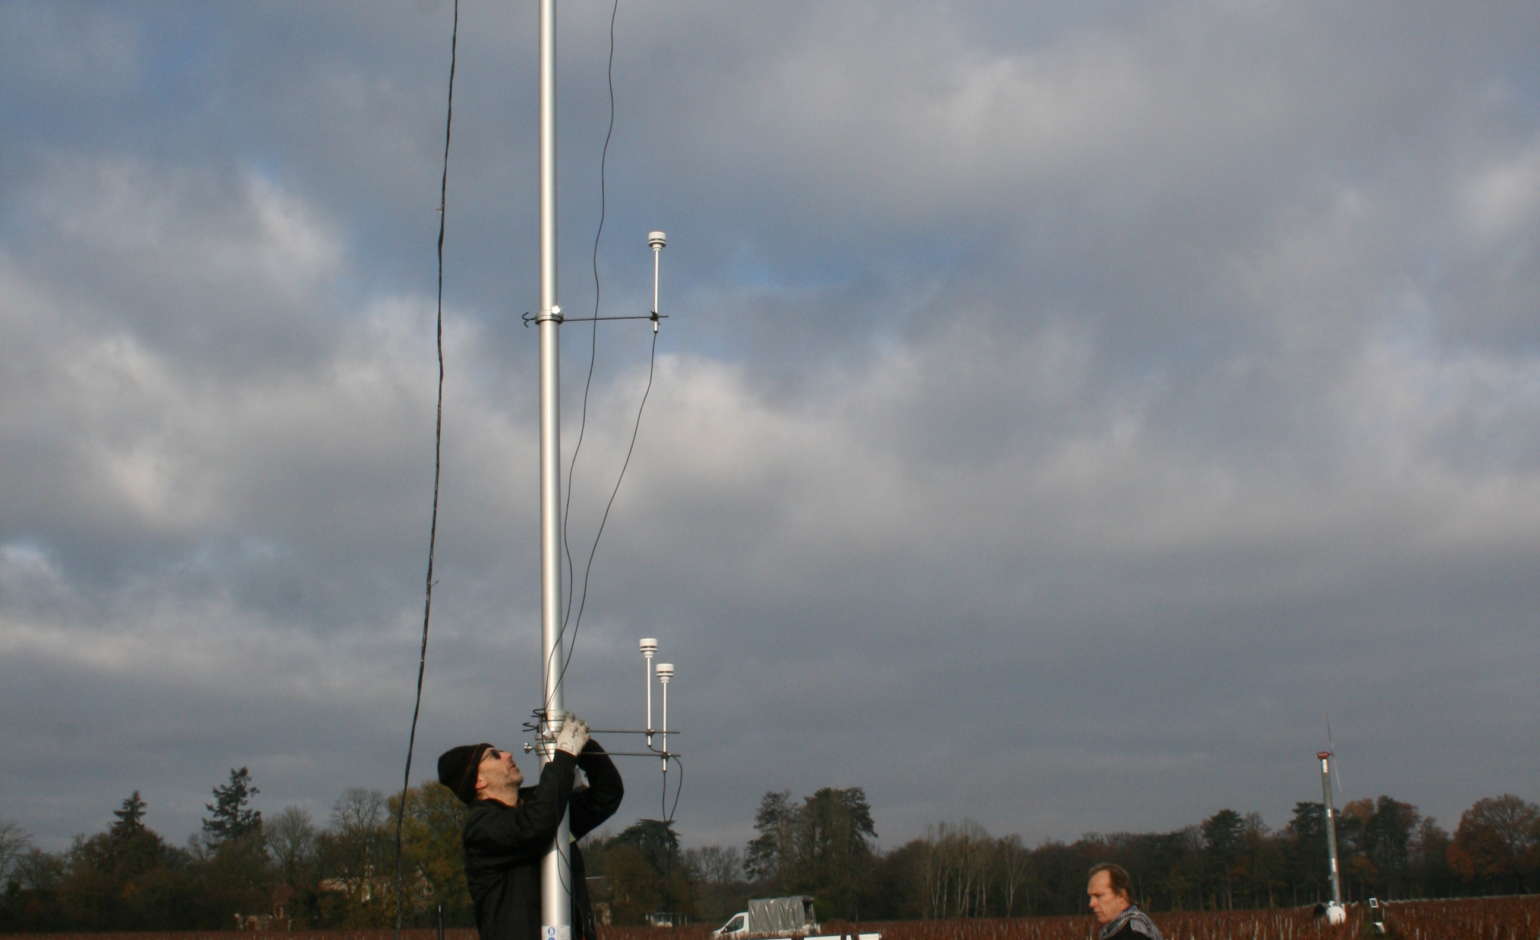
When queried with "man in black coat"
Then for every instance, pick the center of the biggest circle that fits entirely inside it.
(1113, 907)
(510, 828)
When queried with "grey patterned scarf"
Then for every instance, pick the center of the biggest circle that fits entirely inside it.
(1134, 919)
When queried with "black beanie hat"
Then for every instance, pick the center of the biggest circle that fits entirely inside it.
(457, 769)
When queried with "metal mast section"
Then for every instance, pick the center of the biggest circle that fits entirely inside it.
(1331, 827)
(556, 872)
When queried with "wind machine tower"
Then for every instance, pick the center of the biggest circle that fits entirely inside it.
(1335, 912)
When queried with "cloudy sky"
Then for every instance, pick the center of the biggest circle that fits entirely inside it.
(1065, 408)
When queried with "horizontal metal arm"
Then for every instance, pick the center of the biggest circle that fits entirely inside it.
(529, 318)
(663, 754)
(657, 731)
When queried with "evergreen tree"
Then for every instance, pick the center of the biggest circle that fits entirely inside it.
(126, 878)
(231, 815)
(644, 864)
(771, 851)
(835, 834)
(1388, 840)
(1306, 835)
(1224, 841)
(656, 840)
(130, 816)
(1429, 851)
(823, 845)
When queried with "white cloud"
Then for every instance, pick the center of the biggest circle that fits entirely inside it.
(1502, 200)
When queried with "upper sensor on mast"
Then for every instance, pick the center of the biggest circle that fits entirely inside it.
(656, 241)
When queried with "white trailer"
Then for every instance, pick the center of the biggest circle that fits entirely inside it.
(788, 918)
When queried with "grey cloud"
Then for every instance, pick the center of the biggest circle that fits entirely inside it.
(1100, 396)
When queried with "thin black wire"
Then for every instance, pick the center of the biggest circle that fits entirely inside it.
(438, 446)
(652, 362)
(593, 344)
(588, 568)
(668, 814)
(593, 355)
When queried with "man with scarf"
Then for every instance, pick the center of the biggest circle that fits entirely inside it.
(510, 828)
(1109, 890)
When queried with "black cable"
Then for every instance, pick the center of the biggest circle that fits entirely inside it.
(593, 355)
(593, 345)
(668, 814)
(568, 616)
(652, 361)
(588, 568)
(438, 449)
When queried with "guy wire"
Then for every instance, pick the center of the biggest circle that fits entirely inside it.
(438, 445)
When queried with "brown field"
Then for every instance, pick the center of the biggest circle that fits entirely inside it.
(1516, 918)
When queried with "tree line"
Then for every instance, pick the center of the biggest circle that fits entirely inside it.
(1386, 849)
(244, 869)
(287, 870)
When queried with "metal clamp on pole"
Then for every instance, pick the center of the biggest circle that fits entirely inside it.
(545, 723)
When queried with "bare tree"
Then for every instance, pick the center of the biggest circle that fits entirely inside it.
(956, 869)
(356, 851)
(716, 864)
(14, 843)
(290, 838)
(1013, 865)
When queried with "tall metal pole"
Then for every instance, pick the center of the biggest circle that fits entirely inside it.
(556, 872)
(1331, 826)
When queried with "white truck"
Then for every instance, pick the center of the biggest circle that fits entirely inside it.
(785, 918)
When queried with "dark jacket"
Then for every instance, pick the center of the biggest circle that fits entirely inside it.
(504, 845)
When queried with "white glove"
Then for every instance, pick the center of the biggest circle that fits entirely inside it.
(572, 736)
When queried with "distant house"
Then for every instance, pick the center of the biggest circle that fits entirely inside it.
(277, 917)
(667, 919)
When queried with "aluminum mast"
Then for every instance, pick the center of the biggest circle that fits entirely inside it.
(556, 871)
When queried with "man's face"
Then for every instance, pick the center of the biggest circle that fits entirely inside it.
(1105, 905)
(497, 769)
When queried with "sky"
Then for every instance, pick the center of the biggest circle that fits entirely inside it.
(1066, 412)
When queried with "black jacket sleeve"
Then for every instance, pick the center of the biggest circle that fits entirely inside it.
(517, 834)
(593, 804)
